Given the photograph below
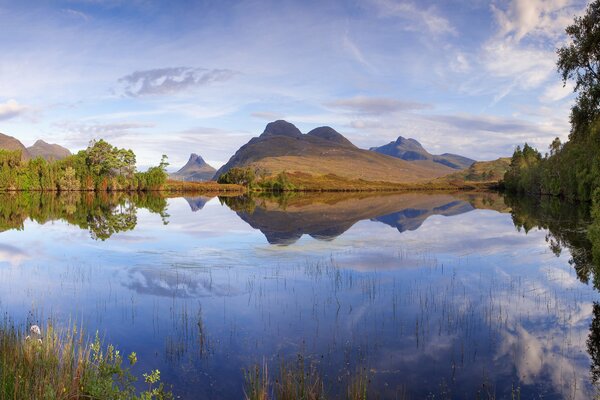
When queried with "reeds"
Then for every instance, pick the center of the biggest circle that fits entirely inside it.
(51, 364)
(299, 380)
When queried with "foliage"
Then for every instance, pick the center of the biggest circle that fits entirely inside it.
(579, 60)
(238, 176)
(572, 169)
(47, 364)
(101, 167)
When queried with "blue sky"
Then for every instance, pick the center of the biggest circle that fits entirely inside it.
(470, 77)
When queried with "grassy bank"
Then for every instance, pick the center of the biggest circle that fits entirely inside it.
(304, 182)
(42, 363)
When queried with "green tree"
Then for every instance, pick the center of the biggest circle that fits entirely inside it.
(579, 60)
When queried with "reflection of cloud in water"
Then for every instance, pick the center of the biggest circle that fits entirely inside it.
(535, 355)
(177, 283)
(13, 255)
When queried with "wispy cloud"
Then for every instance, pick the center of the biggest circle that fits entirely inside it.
(79, 134)
(375, 105)
(522, 51)
(11, 109)
(171, 80)
(77, 14)
(267, 115)
(423, 19)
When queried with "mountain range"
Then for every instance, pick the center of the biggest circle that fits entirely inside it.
(324, 151)
(321, 152)
(50, 152)
(195, 170)
(412, 150)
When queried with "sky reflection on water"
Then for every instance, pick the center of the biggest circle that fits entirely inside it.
(457, 304)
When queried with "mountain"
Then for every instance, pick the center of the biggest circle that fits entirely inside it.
(411, 150)
(324, 151)
(196, 170)
(11, 143)
(48, 151)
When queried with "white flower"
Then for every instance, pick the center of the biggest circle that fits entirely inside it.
(35, 330)
(27, 337)
(40, 341)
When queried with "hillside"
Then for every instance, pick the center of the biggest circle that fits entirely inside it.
(48, 151)
(195, 170)
(412, 150)
(324, 151)
(482, 171)
(11, 143)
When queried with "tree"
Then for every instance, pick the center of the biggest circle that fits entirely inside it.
(579, 60)
(239, 176)
(69, 182)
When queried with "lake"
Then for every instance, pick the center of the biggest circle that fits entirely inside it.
(468, 295)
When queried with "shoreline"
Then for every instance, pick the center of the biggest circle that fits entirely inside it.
(182, 187)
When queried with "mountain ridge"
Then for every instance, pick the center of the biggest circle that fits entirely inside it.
(411, 150)
(48, 151)
(195, 170)
(324, 151)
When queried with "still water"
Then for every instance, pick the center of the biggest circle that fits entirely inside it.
(433, 295)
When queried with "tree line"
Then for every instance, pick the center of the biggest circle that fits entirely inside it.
(101, 167)
(572, 169)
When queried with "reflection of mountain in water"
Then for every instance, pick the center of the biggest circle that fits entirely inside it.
(197, 203)
(326, 216)
(411, 219)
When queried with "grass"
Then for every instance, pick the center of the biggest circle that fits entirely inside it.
(304, 182)
(47, 364)
(481, 171)
(297, 380)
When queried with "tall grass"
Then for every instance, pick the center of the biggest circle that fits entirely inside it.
(48, 364)
(297, 380)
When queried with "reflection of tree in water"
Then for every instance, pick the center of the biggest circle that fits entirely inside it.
(593, 345)
(103, 214)
(567, 225)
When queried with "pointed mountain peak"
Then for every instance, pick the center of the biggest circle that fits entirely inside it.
(281, 128)
(196, 159)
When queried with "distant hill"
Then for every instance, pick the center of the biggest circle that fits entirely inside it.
(48, 151)
(196, 170)
(11, 143)
(323, 151)
(411, 150)
(482, 171)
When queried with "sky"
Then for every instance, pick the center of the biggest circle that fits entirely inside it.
(471, 77)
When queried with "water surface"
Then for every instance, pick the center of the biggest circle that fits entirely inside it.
(435, 295)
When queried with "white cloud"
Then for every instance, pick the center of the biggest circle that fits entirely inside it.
(556, 92)
(11, 109)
